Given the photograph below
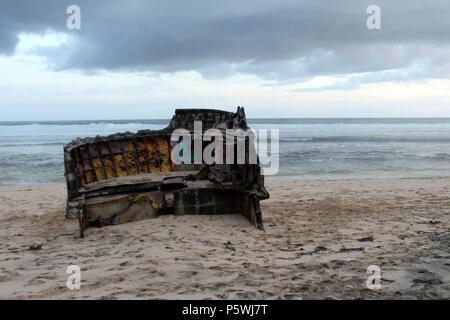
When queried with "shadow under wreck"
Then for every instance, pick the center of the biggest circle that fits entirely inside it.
(127, 176)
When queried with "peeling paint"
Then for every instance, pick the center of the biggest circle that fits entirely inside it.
(127, 176)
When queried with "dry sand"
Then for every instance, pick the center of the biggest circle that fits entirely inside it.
(310, 249)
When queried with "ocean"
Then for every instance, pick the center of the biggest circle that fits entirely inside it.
(32, 152)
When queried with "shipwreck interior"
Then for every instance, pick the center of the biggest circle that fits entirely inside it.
(127, 177)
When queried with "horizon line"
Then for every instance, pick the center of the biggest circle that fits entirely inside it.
(248, 119)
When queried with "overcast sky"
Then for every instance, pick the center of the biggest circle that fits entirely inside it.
(286, 58)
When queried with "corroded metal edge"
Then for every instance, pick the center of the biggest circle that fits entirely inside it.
(115, 179)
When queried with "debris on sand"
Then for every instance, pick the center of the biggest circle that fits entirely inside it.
(343, 249)
(35, 246)
(316, 250)
(366, 239)
(320, 249)
(428, 221)
(229, 246)
(128, 177)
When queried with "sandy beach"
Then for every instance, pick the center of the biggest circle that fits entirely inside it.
(320, 238)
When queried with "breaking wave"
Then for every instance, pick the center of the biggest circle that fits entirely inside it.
(31, 152)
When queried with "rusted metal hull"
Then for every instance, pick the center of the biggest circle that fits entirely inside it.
(129, 177)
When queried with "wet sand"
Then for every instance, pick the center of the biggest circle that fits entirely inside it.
(311, 248)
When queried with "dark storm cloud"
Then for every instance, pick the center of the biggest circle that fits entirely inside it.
(274, 39)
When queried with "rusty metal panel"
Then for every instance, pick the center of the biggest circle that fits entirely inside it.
(131, 176)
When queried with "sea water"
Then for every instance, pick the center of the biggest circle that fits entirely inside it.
(32, 152)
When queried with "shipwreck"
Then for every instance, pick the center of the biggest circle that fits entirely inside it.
(128, 176)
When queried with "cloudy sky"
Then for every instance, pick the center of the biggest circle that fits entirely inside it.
(286, 58)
